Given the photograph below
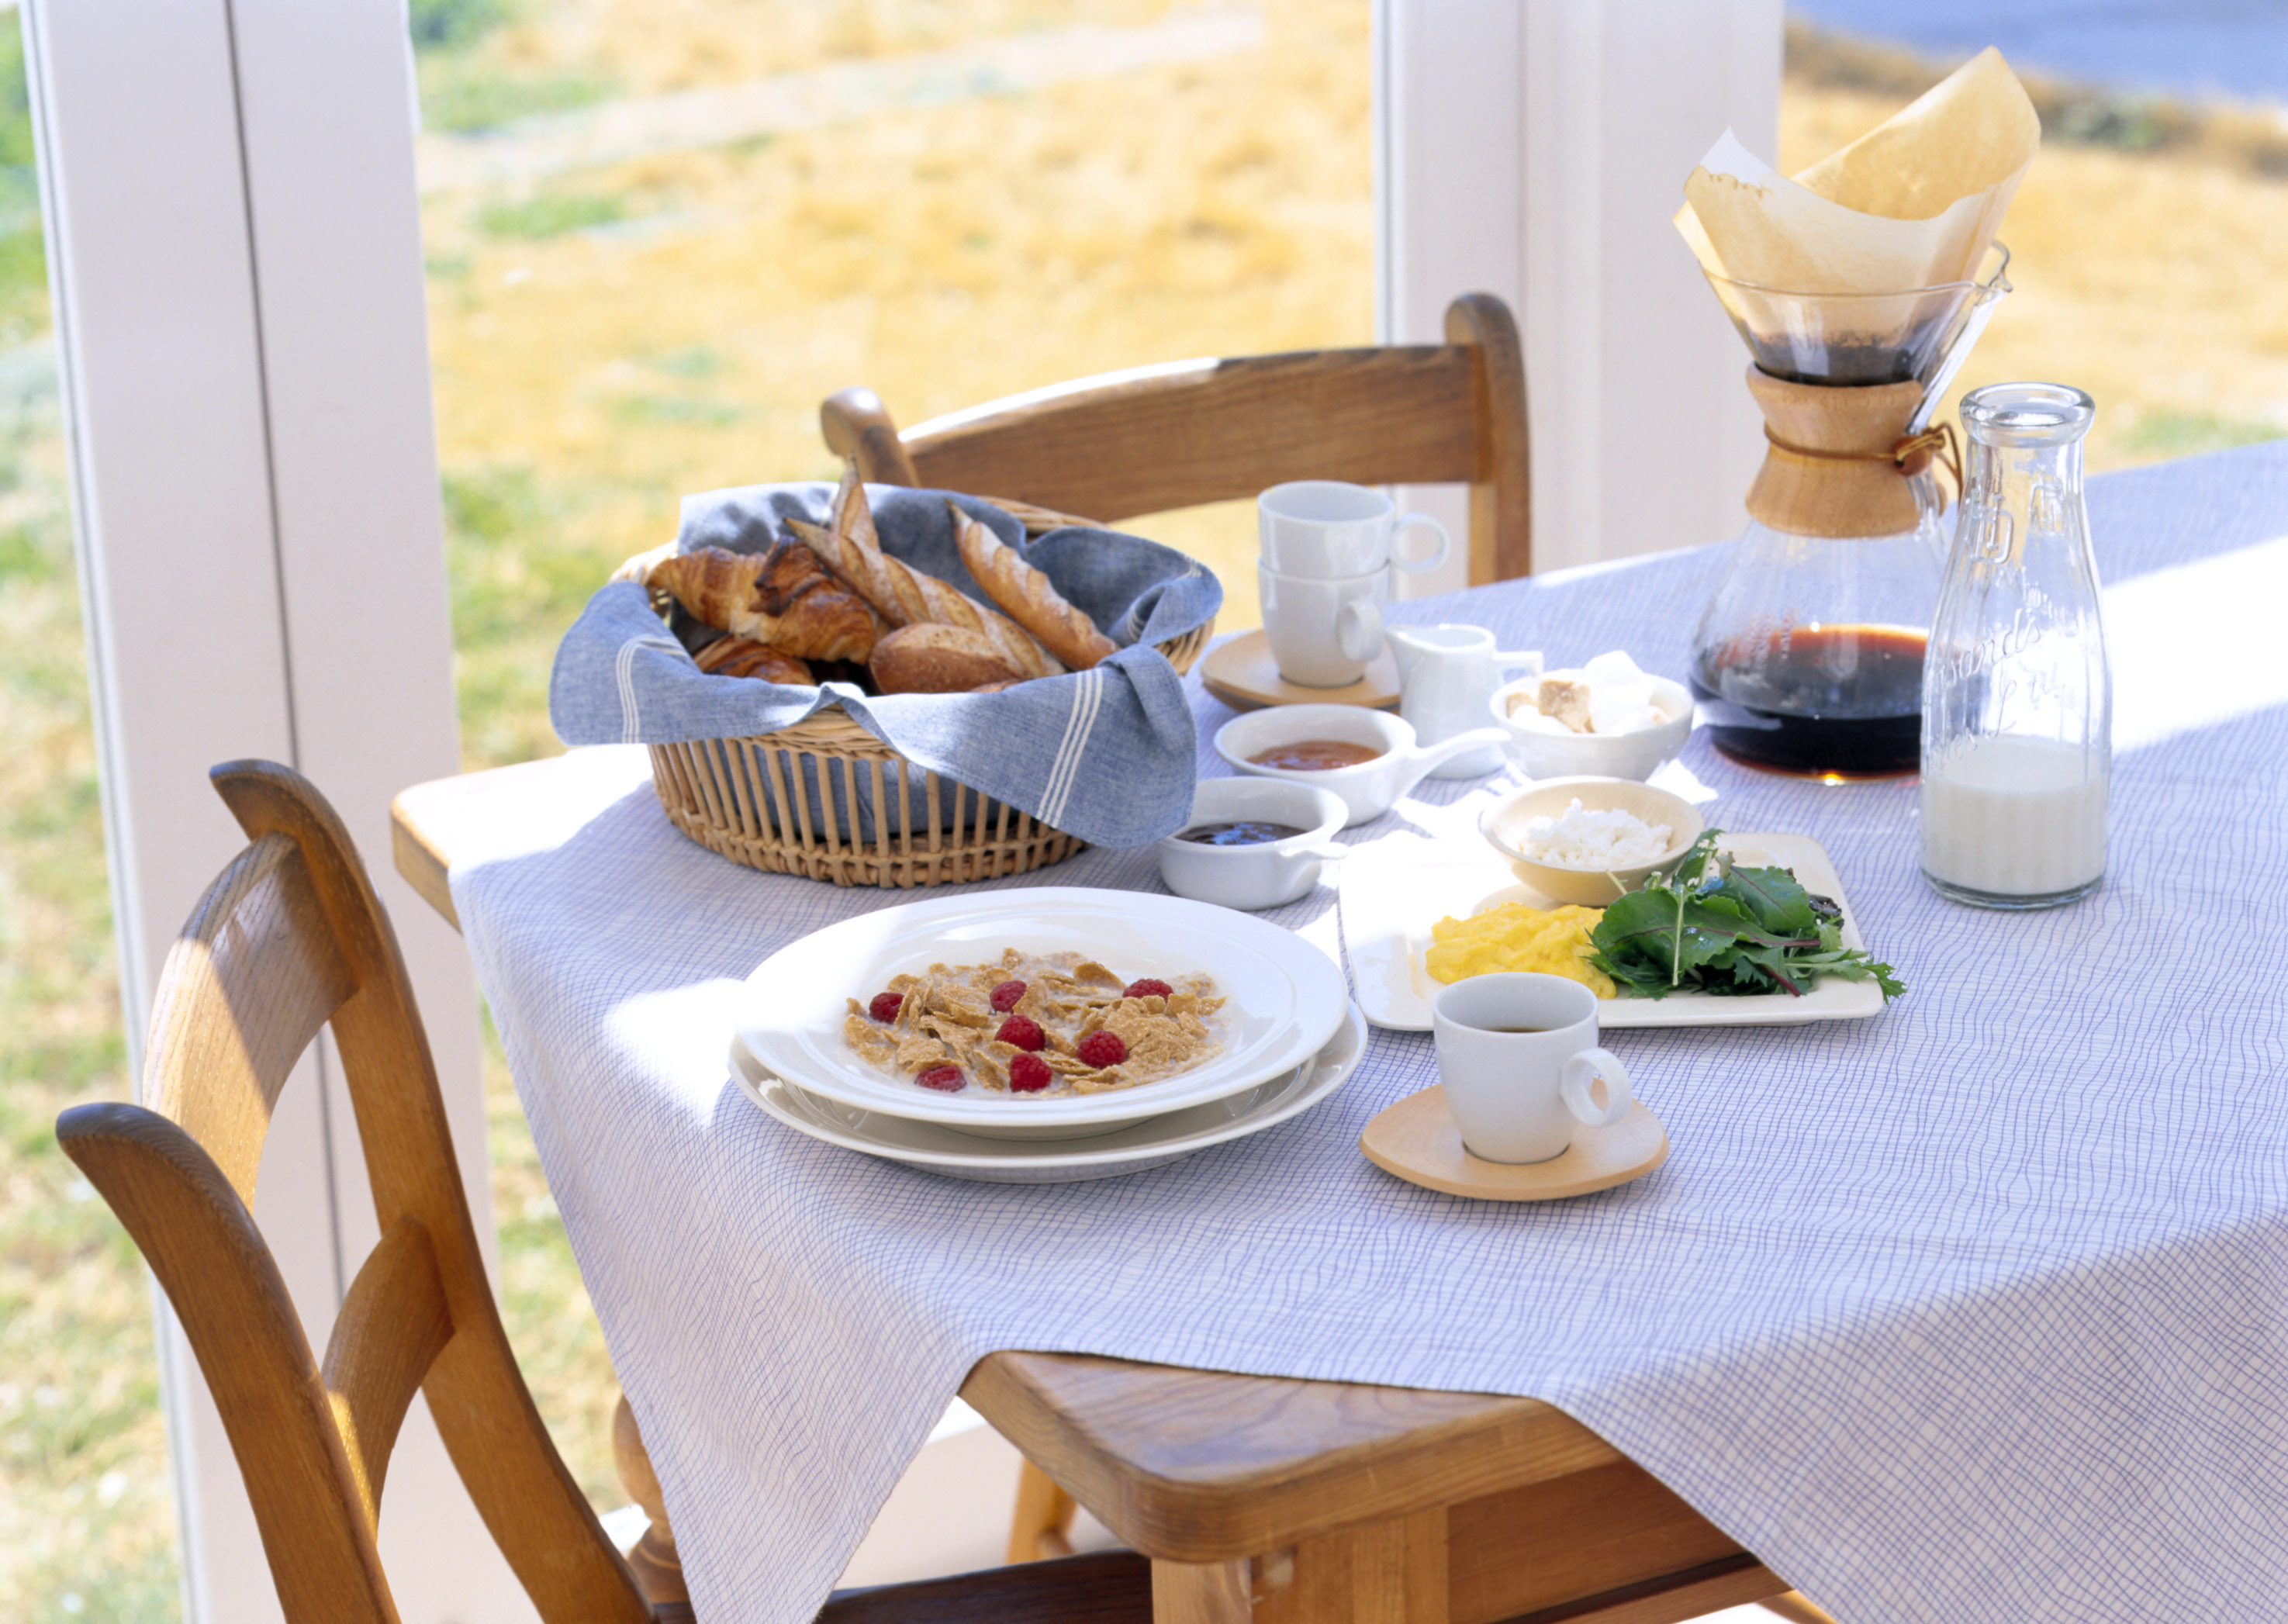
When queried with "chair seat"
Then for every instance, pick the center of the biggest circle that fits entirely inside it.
(1113, 1586)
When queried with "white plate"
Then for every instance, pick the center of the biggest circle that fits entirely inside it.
(1284, 999)
(1392, 894)
(1148, 1144)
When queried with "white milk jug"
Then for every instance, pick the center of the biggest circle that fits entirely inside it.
(1447, 676)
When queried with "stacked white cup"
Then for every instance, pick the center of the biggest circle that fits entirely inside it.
(1325, 574)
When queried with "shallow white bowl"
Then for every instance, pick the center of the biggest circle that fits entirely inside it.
(1504, 827)
(1283, 999)
(1257, 877)
(1633, 754)
(1368, 790)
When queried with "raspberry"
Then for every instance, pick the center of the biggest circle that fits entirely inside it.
(1151, 986)
(1006, 996)
(1022, 1031)
(1029, 1074)
(944, 1078)
(1100, 1048)
(885, 1006)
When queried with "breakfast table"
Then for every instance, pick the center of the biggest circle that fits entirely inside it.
(1968, 1309)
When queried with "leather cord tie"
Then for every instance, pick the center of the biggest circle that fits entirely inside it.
(1911, 455)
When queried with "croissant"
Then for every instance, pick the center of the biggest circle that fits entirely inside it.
(1026, 597)
(905, 596)
(784, 597)
(738, 656)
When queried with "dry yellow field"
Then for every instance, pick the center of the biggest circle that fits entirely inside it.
(942, 255)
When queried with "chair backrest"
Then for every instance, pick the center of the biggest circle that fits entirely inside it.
(289, 937)
(1178, 435)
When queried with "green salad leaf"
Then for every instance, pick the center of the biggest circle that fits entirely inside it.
(1714, 927)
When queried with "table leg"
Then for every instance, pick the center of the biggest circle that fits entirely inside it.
(652, 1559)
(1201, 1593)
(1390, 1572)
(1042, 1526)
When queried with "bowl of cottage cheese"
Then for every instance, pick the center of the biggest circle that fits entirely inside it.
(1591, 840)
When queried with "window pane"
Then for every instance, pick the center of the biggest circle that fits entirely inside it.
(734, 210)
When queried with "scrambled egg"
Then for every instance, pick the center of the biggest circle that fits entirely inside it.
(1515, 937)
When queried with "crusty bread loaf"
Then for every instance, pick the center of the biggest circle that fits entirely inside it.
(732, 655)
(1026, 597)
(927, 657)
(784, 597)
(905, 597)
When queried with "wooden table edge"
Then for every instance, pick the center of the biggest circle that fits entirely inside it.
(1397, 1454)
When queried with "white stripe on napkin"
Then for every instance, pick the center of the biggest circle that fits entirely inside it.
(623, 668)
(1088, 697)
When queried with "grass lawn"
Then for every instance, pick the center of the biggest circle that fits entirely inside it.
(606, 339)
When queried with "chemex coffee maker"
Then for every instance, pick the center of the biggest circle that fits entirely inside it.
(1809, 657)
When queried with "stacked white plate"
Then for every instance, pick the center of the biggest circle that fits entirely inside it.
(1291, 1035)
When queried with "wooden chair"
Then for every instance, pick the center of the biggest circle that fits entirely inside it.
(288, 939)
(1175, 436)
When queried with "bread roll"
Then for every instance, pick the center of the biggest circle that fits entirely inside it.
(930, 658)
(1026, 597)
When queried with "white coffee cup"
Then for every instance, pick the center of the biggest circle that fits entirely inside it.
(1322, 632)
(1518, 1058)
(1330, 531)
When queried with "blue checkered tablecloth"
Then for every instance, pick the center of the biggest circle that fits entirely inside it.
(1977, 1309)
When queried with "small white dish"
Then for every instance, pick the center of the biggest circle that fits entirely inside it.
(1265, 874)
(1395, 890)
(1152, 1143)
(1371, 788)
(1283, 999)
(1503, 825)
(1631, 754)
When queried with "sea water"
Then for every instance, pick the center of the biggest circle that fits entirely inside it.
(2016, 817)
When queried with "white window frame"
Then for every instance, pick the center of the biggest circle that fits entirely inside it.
(233, 241)
(1537, 149)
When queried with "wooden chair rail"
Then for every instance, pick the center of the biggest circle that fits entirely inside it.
(1172, 439)
(1174, 436)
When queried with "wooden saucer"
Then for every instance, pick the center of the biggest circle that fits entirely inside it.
(1242, 673)
(1416, 1140)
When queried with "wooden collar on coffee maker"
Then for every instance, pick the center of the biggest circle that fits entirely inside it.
(1839, 462)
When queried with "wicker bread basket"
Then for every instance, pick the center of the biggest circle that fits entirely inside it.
(789, 802)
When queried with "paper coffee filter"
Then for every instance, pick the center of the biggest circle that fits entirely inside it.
(1912, 204)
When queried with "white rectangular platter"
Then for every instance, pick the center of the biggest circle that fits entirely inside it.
(1394, 892)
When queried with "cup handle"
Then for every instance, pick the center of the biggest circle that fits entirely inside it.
(1358, 629)
(1584, 1069)
(1423, 566)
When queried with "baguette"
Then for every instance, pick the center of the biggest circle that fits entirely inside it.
(905, 596)
(1025, 595)
(929, 658)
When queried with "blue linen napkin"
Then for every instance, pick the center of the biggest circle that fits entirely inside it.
(1105, 754)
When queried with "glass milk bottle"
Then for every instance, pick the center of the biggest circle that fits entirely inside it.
(2017, 745)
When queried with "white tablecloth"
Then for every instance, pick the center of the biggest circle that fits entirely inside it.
(1977, 1310)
